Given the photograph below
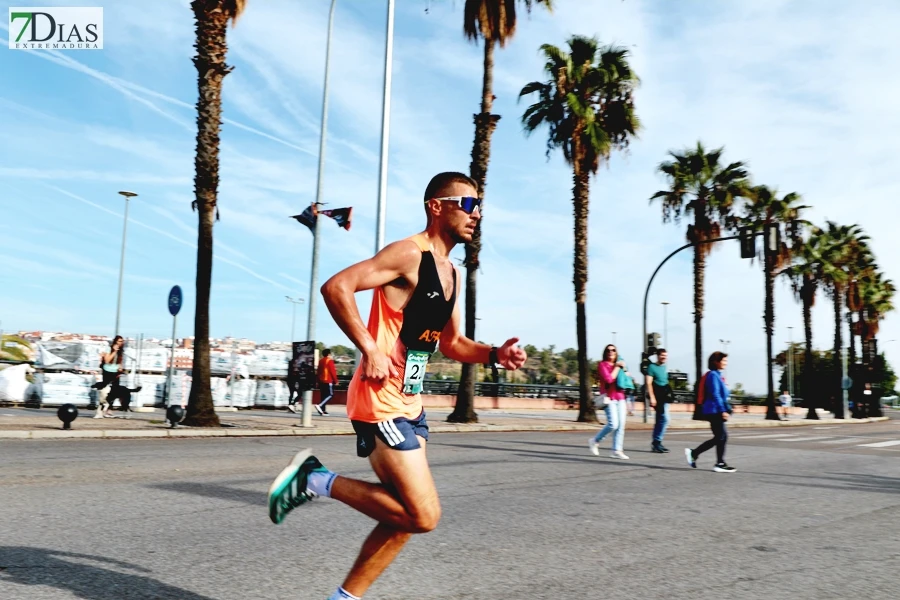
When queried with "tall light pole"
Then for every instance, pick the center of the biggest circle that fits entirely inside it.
(385, 129)
(614, 338)
(790, 364)
(314, 271)
(665, 306)
(128, 196)
(295, 302)
(725, 344)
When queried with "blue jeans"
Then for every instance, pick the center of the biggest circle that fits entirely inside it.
(615, 422)
(662, 422)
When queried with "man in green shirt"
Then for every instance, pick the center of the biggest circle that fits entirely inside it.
(659, 395)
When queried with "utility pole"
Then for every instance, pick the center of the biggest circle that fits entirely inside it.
(128, 196)
(665, 306)
(295, 302)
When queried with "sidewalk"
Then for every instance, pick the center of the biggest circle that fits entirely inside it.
(21, 423)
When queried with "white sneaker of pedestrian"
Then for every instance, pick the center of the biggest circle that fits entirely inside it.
(594, 446)
(689, 455)
(292, 408)
(619, 454)
(318, 409)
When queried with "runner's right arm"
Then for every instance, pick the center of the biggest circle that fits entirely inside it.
(395, 261)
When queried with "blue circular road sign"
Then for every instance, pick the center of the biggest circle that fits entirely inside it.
(175, 299)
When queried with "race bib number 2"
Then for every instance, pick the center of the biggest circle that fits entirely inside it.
(414, 374)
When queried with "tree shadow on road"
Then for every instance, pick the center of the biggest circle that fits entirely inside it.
(27, 566)
(854, 482)
(559, 456)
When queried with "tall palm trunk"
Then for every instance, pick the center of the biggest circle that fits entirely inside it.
(838, 408)
(580, 192)
(699, 274)
(769, 317)
(485, 123)
(808, 372)
(211, 23)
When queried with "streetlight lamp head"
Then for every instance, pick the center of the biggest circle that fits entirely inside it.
(128, 194)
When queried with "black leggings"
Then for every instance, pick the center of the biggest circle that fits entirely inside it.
(720, 437)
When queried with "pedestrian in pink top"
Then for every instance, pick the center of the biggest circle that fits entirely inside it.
(607, 371)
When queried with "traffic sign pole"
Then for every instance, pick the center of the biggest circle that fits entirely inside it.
(171, 374)
(175, 300)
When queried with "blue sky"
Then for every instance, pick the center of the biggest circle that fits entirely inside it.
(805, 93)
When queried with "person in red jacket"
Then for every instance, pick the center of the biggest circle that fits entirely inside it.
(327, 377)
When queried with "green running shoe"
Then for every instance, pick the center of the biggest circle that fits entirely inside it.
(289, 491)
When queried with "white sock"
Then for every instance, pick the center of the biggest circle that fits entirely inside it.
(342, 594)
(320, 483)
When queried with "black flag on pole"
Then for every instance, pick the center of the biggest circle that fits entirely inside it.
(307, 217)
(340, 215)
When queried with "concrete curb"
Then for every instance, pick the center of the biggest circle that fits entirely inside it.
(55, 434)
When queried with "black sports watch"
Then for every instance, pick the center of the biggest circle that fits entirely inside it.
(493, 359)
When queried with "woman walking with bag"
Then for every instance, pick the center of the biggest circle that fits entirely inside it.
(609, 371)
(714, 406)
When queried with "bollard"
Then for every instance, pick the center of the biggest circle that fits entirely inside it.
(174, 415)
(67, 413)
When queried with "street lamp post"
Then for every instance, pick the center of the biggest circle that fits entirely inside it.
(317, 227)
(725, 344)
(665, 306)
(295, 302)
(385, 129)
(128, 196)
(614, 338)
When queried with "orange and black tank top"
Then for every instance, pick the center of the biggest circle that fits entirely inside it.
(417, 326)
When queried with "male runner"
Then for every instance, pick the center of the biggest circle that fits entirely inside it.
(413, 309)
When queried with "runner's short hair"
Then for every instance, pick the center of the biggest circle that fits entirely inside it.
(714, 359)
(442, 180)
(660, 351)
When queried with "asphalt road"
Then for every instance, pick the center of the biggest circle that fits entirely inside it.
(812, 513)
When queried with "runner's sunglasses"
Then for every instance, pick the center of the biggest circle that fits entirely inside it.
(467, 203)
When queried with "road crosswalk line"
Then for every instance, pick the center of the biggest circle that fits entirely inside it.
(805, 439)
(881, 444)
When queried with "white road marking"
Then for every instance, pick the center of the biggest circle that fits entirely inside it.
(881, 444)
(851, 440)
(806, 439)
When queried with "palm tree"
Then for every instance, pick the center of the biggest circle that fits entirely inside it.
(587, 104)
(842, 243)
(763, 209)
(212, 17)
(805, 273)
(860, 266)
(701, 184)
(877, 299)
(493, 21)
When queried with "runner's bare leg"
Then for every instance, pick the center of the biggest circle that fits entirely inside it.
(405, 503)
